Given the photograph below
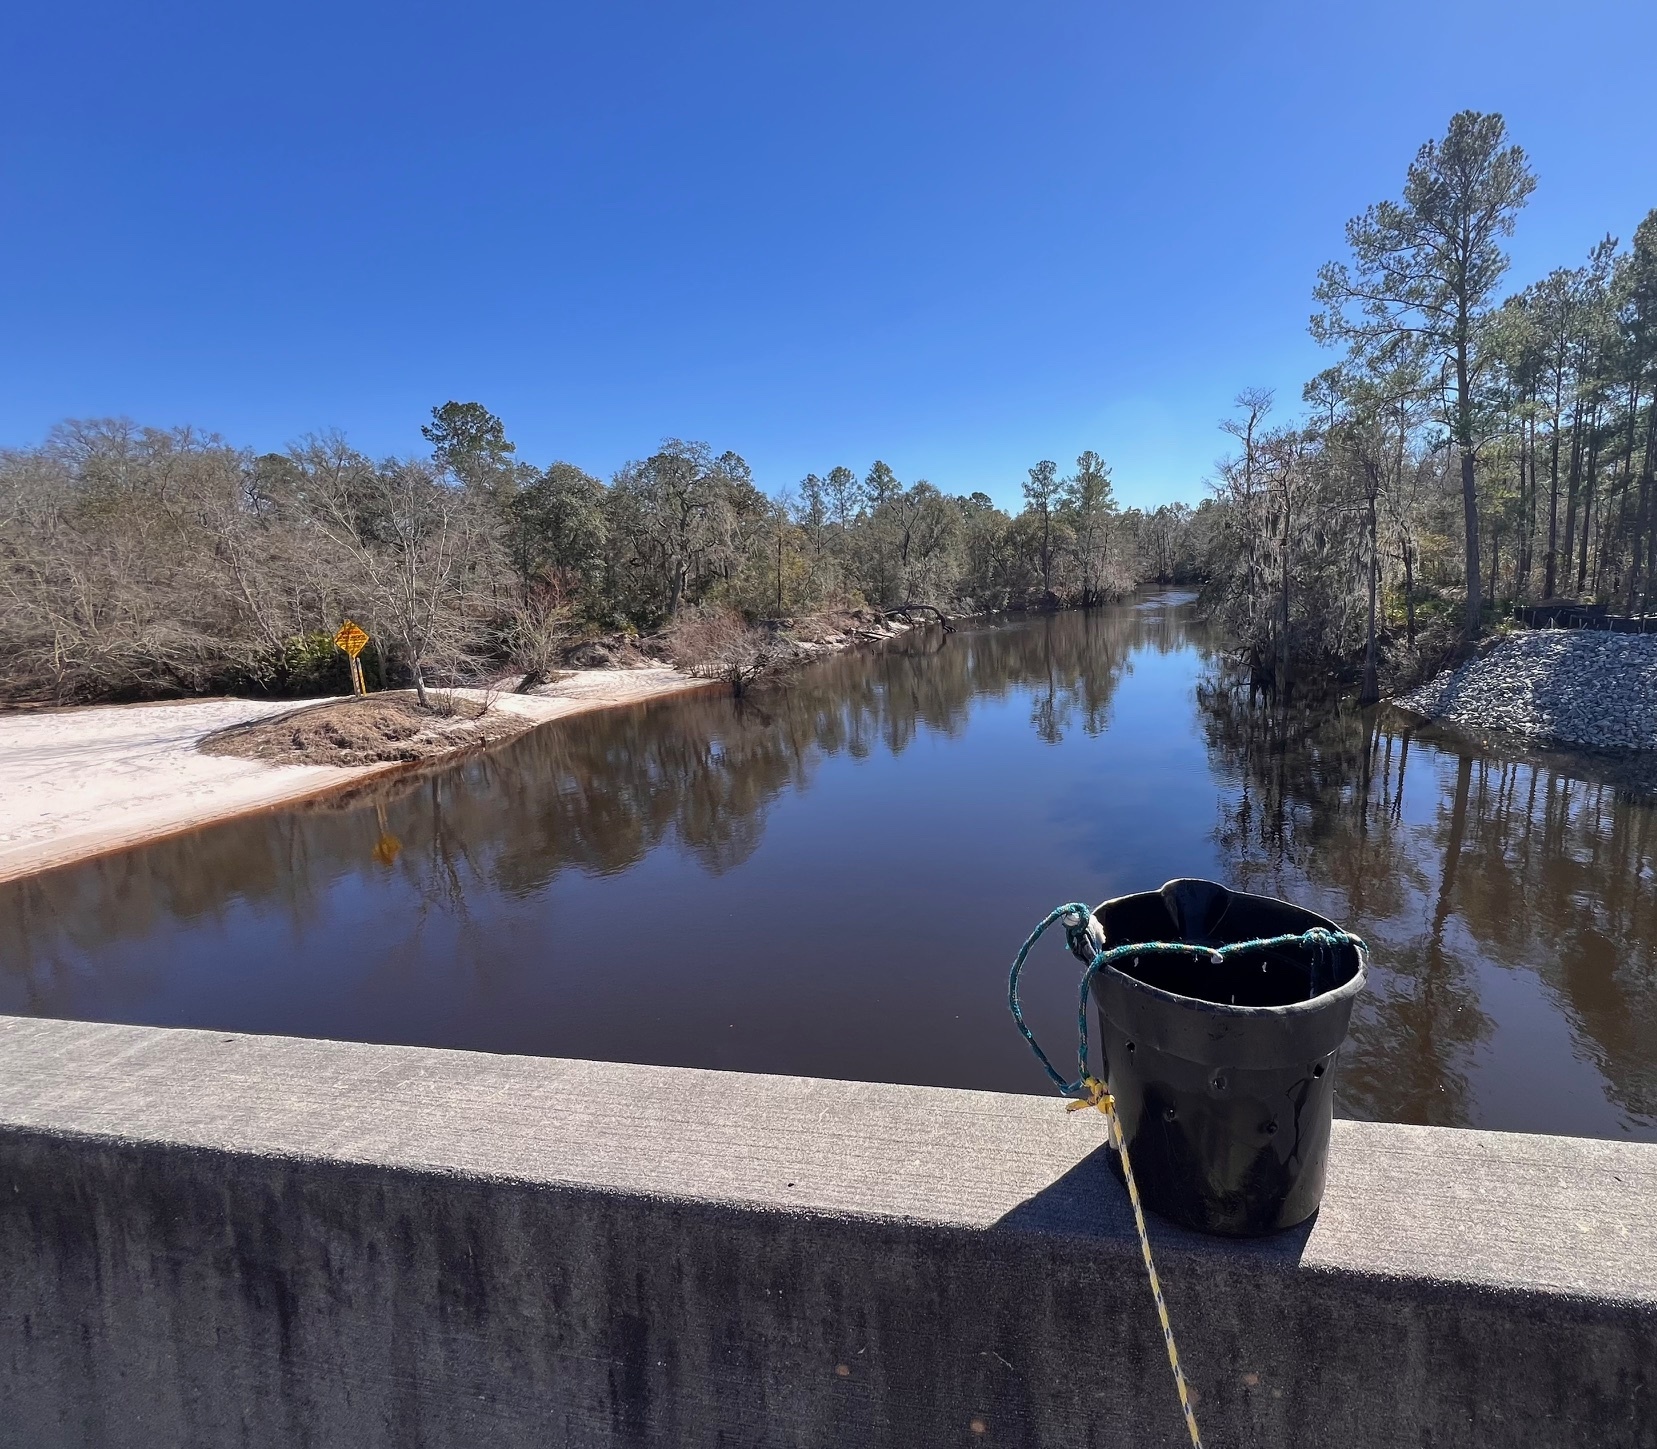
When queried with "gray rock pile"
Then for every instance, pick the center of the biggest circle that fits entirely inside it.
(1558, 686)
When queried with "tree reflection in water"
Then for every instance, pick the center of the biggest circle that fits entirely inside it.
(940, 794)
(1464, 868)
(597, 796)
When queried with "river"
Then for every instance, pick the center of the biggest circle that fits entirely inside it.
(830, 877)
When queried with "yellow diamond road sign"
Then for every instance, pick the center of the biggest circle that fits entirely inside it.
(351, 638)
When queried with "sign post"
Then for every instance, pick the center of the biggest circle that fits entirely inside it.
(352, 639)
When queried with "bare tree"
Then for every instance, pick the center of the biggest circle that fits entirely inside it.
(410, 540)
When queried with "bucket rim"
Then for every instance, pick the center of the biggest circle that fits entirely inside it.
(1348, 988)
(1308, 1007)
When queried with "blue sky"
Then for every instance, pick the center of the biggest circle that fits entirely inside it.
(961, 237)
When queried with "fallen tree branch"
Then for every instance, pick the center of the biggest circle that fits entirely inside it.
(908, 611)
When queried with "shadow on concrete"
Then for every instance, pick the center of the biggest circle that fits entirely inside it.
(1090, 1201)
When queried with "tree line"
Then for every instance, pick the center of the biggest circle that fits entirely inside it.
(1469, 449)
(139, 562)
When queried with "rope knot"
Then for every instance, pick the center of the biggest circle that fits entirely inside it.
(1098, 1096)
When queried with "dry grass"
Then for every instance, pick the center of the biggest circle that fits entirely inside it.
(714, 643)
(378, 729)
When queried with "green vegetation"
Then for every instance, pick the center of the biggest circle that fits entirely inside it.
(1463, 452)
(137, 562)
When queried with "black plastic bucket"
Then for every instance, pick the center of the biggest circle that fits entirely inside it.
(1223, 1071)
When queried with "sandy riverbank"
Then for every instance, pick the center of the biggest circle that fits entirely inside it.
(76, 783)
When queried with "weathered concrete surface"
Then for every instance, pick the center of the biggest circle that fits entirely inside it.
(211, 1240)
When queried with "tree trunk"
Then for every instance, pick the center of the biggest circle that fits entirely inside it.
(1283, 634)
(1472, 618)
(1409, 590)
(1650, 570)
(1573, 488)
(420, 685)
(1469, 488)
(1550, 576)
(1519, 545)
(1527, 450)
(1625, 489)
(1588, 500)
(1642, 517)
(1370, 693)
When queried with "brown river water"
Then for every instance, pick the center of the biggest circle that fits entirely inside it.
(831, 877)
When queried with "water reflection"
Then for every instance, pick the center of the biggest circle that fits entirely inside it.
(599, 796)
(1467, 871)
(826, 878)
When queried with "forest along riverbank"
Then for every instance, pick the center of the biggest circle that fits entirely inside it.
(1553, 686)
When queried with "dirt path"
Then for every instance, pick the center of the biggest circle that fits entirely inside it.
(76, 783)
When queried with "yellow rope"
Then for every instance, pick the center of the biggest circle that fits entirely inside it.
(1098, 1095)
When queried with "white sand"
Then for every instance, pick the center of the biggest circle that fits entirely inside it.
(80, 782)
(587, 689)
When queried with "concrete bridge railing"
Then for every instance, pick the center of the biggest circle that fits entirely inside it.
(217, 1240)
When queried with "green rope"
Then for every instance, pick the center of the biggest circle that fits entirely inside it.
(1076, 917)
